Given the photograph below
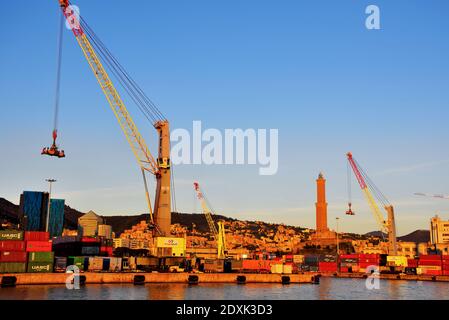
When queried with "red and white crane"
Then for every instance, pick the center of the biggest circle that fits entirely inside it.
(372, 193)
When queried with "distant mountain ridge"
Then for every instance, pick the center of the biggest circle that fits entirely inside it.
(416, 236)
(10, 212)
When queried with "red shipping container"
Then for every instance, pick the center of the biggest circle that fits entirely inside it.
(349, 256)
(369, 256)
(445, 273)
(328, 266)
(344, 270)
(412, 263)
(89, 240)
(430, 263)
(366, 265)
(431, 257)
(12, 245)
(106, 250)
(36, 236)
(432, 272)
(13, 256)
(256, 265)
(38, 246)
(445, 258)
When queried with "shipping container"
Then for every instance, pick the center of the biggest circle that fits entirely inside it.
(257, 265)
(349, 256)
(37, 236)
(12, 267)
(56, 221)
(90, 240)
(60, 264)
(33, 209)
(277, 268)
(214, 265)
(412, 263)
(95, 264)
(64, 239)
(76, 261)
(90, 250)
(12, 245)
(115, 264)
(38, 246)
(40, 267)
(13, 256)
(328, 266)
(430, 263)
(432, 257)
(106, 251)
(6, 235)
(298, 259)
(287, 268)
(67, 249)
(41, 257)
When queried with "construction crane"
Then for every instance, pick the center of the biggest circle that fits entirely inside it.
(371, 192)
(53, 150)
(220, 235)
(96, 54)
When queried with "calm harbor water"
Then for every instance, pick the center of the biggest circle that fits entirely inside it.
(329, 289)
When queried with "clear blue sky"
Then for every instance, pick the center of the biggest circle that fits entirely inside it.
(308, 68)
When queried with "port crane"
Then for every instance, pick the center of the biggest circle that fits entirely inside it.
(371, 192)
(220, 235)
(96, 54)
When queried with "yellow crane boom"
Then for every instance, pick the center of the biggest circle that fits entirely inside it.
(147, 163)
(220, 235)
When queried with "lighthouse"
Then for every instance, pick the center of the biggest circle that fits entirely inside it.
(321, 205)
(323, 235)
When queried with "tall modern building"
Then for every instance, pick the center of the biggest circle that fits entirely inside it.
(439, 230)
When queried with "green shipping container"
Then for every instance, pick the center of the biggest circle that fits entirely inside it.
(40, 267)
(41, 257)
(76, 261)
(6, 235)
(12, 267)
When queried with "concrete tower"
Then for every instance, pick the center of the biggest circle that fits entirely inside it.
(321, 205)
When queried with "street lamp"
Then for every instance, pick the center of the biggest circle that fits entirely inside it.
(50, 181)
(338, 246)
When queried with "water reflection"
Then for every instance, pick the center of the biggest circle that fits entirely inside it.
(329, 289)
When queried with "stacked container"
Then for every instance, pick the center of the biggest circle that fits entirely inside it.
(368, 260)
(328, 266)
(349, 263)
(106, 247)
(40, 255)
(445, 265)
(13, 256)
(90, 246)
(430, 265)
(260, 266)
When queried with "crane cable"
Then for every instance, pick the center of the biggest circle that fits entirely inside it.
(58, 72)
(146, 106)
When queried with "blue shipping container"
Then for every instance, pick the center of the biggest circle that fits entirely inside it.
(34, 210)
(56, 223)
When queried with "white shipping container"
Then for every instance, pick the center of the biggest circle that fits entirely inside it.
(115, 264)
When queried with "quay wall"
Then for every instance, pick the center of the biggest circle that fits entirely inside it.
(99, 278)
